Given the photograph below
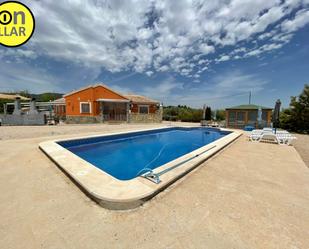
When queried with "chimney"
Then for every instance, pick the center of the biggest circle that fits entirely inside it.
(33, 109)
(17, 110)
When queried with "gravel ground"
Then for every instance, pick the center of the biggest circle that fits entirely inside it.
(302, 147)
(250, 195)
(21, 132)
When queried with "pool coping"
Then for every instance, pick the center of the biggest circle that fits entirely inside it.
(116, 194)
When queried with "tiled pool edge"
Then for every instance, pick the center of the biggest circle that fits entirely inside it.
(120, 195)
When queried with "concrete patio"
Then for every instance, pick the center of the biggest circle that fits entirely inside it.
(250, 195)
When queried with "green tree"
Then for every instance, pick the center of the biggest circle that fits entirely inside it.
(208, 113)
(45, 97)
(296, 118)
(285, 119)
(2, 102)
(220, 115)
(24, 93)
(182, 113)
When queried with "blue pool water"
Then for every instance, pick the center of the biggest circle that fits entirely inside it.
(126, 156)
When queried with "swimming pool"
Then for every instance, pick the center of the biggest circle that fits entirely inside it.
(128, 156)
(123, 170)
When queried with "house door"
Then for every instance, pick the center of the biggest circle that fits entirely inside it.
(113, 111)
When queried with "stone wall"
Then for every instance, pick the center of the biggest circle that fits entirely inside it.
(133, 118)
(23, 119)
(83, 119)
(146, 118)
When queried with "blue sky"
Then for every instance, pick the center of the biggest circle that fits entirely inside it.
(179, 52)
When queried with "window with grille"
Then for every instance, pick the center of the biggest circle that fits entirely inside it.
(144, 109)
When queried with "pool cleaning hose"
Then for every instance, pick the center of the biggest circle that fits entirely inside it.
(155, 177)
(154, 159)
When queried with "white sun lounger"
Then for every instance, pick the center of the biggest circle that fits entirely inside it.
(285, 138)
(267, 129)
(255, 135)
(269, 137)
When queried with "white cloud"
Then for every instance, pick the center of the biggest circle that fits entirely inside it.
(144, 36)
(200, 62)
(164, 68)
(284, 38)
(149, 73)
(300, 20)
(17, 54)
(207, 49)
(272, 46)
(265, 48)
(266, 35)
(223, 58)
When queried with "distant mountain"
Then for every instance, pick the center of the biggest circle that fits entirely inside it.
(45, 97)
(42, 97)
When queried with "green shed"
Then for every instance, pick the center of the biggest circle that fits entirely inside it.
(242, 115)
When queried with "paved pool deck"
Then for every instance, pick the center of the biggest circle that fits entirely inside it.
(250, 195)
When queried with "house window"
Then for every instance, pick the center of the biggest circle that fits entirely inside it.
(85, 107)
(144, 109)
(252, 115)
(264, 115)
(240, 116)
(232, 116)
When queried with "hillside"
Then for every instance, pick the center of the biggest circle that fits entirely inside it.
(42, 97)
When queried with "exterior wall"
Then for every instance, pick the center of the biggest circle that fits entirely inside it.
(24, 119)
(152, 108)
(73, 102)
(100, 92)
(146, 118)
(89, 95)
(133, 118)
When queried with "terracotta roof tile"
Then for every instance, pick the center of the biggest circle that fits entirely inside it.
(140, 99)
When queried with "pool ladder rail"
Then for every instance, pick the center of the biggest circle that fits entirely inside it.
(155, 177)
